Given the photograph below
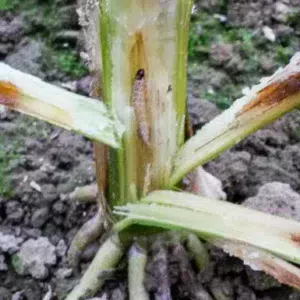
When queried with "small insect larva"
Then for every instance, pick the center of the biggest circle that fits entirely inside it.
(140, 108)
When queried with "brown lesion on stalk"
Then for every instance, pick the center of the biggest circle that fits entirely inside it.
(274, 93)
(101, 153)
(143, 110)
(9, 94)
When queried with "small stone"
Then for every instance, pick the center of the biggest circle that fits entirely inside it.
(35, 186)
(269, 33)
(9, 243)
(18, 296)
(40, 217)
(278, 199)
(63, 273)
(3, 265)
(34, 257)
(61, 248)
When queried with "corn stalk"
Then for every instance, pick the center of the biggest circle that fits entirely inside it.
(144, 49)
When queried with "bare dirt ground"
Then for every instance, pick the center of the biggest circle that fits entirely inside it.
(40, 164)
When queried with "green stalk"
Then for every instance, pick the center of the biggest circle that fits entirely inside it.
(107, 258)
(150, 37)
(88, 233)
(266, 102)
(183, 22)
(213, 218)
(137, 260)
(198, 250)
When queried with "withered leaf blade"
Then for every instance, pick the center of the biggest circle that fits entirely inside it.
(260, 260)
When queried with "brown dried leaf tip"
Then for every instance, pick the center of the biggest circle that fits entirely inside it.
(295, 237)
(262, 260)
(275, 93)
(281, 273)
(9, 94)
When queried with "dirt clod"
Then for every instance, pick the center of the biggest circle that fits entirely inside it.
(35, 265)
(278, 199)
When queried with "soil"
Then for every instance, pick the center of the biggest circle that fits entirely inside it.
(40, 164)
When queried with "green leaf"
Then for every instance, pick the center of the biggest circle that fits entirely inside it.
(107, 257)
(266, 102)
(30, 95)
(215, 219)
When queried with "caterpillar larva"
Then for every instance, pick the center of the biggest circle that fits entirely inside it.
(140, 106)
